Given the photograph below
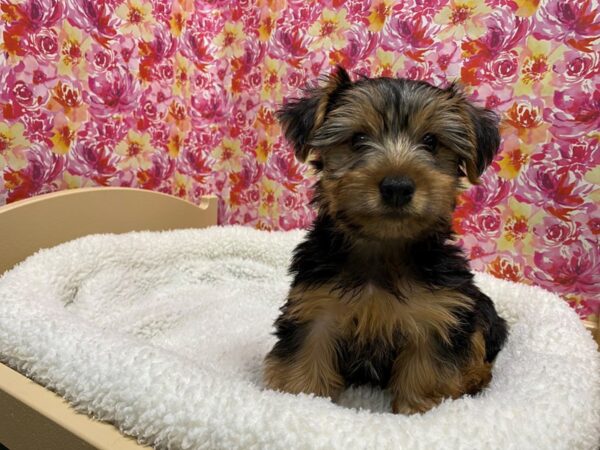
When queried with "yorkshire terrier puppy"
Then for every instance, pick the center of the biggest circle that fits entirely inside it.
(380, 294)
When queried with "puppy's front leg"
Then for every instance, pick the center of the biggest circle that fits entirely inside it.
(305, 358)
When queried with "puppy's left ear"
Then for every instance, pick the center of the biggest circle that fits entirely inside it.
(487, 141)
(485, 137)
(300, 117)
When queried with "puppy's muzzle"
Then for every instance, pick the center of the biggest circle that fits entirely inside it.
(397, 191)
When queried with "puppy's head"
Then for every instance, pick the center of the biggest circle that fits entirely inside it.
(390, 152)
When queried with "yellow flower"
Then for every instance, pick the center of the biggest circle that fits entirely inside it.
(230, 41)
(136, 151)
(387, 64)
(537, 57)
(515, 155)
(267, 24)
(462, 16)
(12, 146)
(273, 71)
(527, 8)
(62, 138)
(137, 19)
(263, 149)
(269, 195)
(228, 155)
(329, 30)
(380, 10)
(181, 185)
(179, 15)
(593, 176)
(74, 45)
(182, 75)
(175, 143)
(517, 232)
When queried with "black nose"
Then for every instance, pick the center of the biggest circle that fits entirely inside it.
(396, 191)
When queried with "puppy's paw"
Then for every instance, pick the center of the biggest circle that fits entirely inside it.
(401, 406)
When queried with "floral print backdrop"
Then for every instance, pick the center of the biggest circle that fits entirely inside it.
(179, 96)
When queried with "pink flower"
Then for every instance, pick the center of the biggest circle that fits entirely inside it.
(93, 17)
(507, 267)
(43, 45)
(195, 45)
(154, 106)
(107, 132)
(485, 225)
(38, 127)
(490, 193)
(162, 169)
(39, 176)
(38, 14)
(249, 140)
(100, 59)
(411, 34)
(295, 80)
(289, 42)
(558, 192)
(162, 46)
(554, 232)
(569, 269)
(575, 22)
(194, 160)
(159, 134)
(511, 4)
(128, 51)
(358, 11)
(576, 111)
(576, 67)
(93, 160)
(210, 105)
(249, 175)
(299, 218)
(361, 44)
(41, 76)
(497, 99)
(283, 167)
(503, 69)
(161, 10)
(254, 53)
(571, 156)
(504, 32)
(479, 252)
(445, 60)
(426, 7)
(301, 13)
(490, 57)
(113, 92)
(20, 94)
(416, 70)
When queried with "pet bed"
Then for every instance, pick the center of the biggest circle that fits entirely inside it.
(163, 334)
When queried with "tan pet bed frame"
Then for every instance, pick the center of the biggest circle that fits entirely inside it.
(32, 417)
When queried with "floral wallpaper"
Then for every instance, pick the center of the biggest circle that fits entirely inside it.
(179, 96)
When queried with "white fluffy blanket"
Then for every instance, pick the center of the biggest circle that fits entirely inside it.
(164, 334)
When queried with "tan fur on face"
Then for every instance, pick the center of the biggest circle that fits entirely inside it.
(350, 179)
(357, 194)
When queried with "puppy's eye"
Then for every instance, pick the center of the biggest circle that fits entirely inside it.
(358, 139)
(430, 142)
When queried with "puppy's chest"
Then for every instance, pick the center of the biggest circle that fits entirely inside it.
(376, 316)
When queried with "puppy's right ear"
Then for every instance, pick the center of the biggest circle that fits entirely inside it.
(300, 118)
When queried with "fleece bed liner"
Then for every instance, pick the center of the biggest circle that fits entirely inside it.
(164, 334)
